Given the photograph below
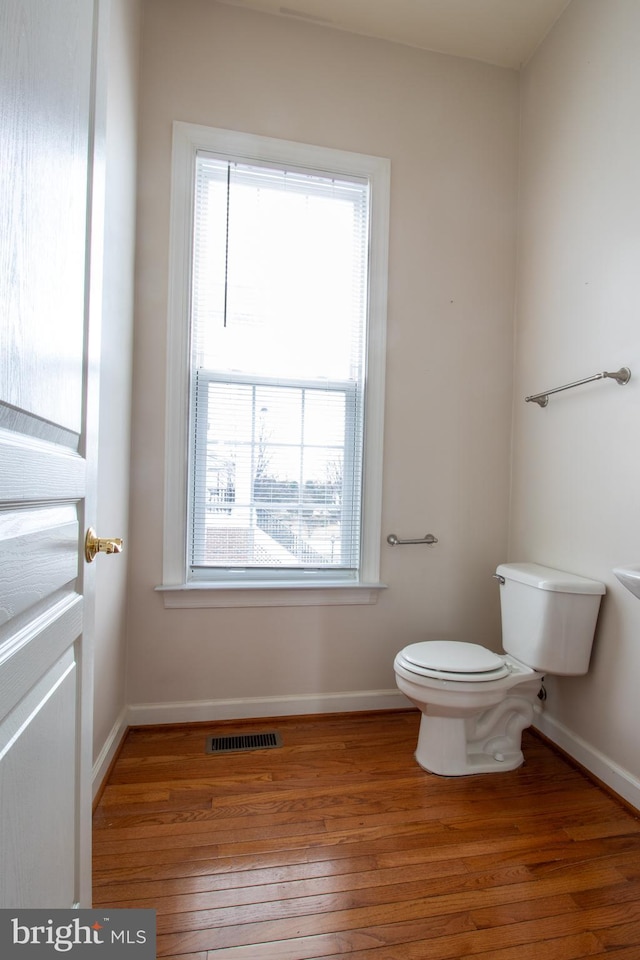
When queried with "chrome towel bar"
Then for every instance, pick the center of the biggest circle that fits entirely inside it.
(622, 376)
(396, 542)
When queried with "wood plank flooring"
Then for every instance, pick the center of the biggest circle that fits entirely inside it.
(338, 845)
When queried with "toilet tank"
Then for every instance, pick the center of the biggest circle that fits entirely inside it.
(548, 617)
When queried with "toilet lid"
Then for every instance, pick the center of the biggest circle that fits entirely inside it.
(455, 660)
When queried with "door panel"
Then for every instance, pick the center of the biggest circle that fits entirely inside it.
(37, 470)
(34, 742)
(45, 105)
(46, 143)
(38, 555)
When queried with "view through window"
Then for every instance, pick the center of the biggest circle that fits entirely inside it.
(279, 295)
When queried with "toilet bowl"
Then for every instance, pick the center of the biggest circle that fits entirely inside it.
(472, 720)
(475, 703)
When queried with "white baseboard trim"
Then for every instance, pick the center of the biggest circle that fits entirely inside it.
(617, 778)
(108, 752)
(194, 711)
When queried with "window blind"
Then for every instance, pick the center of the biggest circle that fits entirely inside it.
(278, 324)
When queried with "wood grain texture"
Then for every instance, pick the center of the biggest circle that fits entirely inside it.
(38, 555)
(44, 149)
(338, 844)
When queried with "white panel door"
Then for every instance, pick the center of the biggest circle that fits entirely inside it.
(47, 127)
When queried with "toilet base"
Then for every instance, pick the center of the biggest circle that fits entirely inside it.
(487, 742)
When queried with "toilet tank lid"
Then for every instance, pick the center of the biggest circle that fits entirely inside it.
(547, 578)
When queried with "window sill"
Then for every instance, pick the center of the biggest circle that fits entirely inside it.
(269, 595)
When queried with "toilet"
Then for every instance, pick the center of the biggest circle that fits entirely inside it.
(475, 703)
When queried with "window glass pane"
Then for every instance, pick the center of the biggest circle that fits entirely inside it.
(279, 480)
(279, 272)
(324, 417)
(279, 414)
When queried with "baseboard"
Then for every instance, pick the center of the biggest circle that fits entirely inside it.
(619, 780)
(108, 753)
(140, 714)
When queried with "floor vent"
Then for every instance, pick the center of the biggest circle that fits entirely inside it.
(247, 741)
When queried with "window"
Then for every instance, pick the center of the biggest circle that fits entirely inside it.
(275, 371)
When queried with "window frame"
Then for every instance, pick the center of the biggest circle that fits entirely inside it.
(177, 589)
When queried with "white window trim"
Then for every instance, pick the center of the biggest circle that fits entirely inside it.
(187, 140)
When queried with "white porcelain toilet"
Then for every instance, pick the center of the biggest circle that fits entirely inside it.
(476, 703)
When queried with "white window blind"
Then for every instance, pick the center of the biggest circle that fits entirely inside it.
(278, 332)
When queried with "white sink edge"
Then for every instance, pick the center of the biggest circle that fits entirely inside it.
(629, 576)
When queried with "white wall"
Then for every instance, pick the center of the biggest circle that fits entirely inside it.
(576, 467)
(449, 127)
(115, 384)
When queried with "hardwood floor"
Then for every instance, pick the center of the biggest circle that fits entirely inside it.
(338, 845)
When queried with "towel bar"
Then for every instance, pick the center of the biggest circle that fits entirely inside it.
(396, 542)
(622, 376)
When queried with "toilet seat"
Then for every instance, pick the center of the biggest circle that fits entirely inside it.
(453, 660)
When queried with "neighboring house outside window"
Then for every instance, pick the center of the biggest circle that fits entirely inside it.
(277, 319)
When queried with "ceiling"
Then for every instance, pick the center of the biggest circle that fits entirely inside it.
(502, 32)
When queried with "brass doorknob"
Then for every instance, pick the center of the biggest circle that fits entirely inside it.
(94, 545)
